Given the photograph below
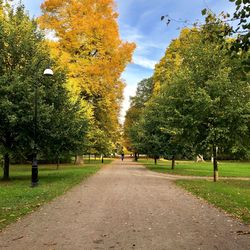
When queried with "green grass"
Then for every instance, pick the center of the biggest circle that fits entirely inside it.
(226, 168)
(17, 198)
(232, 196)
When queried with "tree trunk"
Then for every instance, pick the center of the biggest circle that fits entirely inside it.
(79, 159)
(173, 162)
(136, 159)
(6, 167)
(216, 175)
(102, 159)
(75, 159)
(89, 158)
(57, 163)
(155, 160)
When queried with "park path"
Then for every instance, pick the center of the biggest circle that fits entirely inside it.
(125, 206)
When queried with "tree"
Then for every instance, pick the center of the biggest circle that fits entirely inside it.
(23, 59)
(20, 42)
(66, 133)
(163, 128)
(90, 46)
(143, 94)
(133, 135)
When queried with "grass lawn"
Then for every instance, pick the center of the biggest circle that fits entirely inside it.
(231, 195)
(226, 168)
(17, 198)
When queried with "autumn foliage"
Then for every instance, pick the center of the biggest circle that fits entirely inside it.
(88, 45)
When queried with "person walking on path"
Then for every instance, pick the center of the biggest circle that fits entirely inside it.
(122, 156)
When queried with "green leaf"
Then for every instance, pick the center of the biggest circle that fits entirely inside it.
(204, 12)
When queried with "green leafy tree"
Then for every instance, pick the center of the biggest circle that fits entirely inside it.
(133, 134)
(24, 56)
(209, 96)
(66, 133)
(163, 128)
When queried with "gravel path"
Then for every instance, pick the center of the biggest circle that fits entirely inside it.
(125, 206)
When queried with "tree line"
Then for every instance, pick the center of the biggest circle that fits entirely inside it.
(198, 99)
(78, 107)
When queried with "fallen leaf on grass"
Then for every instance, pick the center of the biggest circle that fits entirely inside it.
(3, 220)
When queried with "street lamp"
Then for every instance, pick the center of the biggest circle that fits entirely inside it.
(34, 169)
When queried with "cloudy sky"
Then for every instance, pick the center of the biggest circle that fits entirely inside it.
(139, 22)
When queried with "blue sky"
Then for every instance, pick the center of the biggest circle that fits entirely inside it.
(139, 22)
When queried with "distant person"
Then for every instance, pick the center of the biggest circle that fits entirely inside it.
(122, 156)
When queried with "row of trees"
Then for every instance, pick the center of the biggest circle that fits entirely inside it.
(78, 107)
(198, 100)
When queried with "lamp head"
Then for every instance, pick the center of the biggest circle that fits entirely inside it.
(48, 72)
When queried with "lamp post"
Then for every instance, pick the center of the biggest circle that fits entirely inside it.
(34, 169)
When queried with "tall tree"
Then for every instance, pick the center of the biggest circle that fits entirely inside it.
(90, 46)
(24, 56)
(133, 134)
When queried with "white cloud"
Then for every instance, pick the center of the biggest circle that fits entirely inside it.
(130, 34)
(129, 90)
(144, 47)
(144, 62)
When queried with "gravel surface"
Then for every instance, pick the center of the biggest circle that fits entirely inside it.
(125, 206)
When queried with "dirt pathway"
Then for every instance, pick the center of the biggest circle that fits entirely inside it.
(125, 206)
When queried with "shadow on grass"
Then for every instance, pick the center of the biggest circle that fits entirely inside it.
(44, 177)
(96, 162)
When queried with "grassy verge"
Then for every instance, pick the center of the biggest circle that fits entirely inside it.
(232, 196)
(17, 198)
(226, 168)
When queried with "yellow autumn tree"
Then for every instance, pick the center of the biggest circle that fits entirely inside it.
(89, 46)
